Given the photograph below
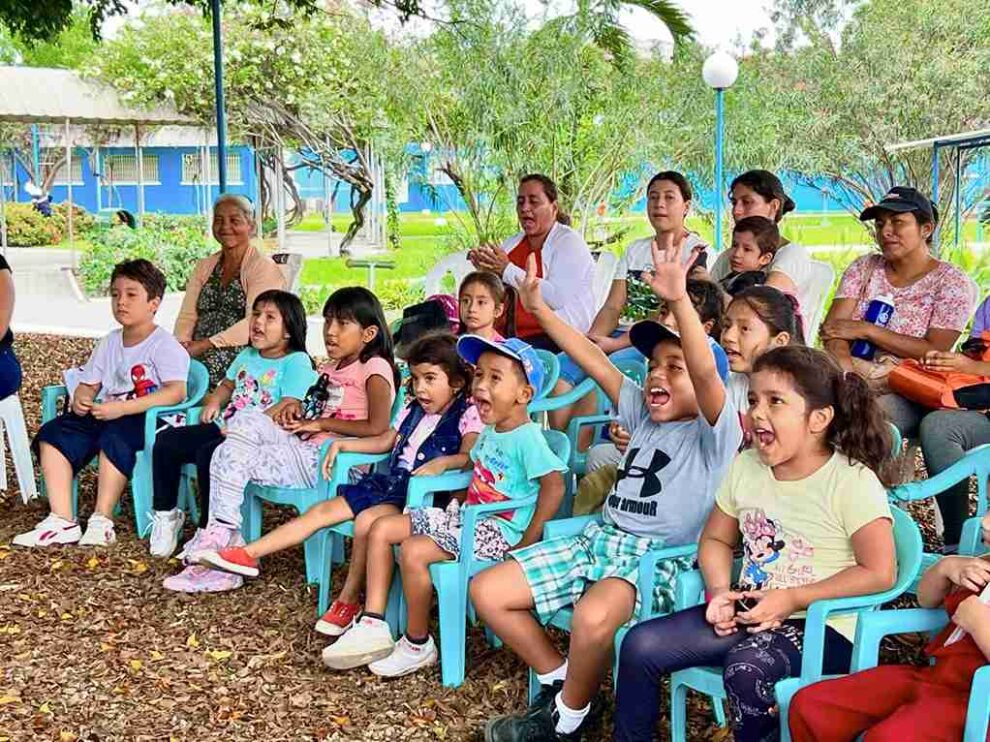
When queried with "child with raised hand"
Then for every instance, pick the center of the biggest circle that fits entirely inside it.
(511, 461)
(272, 371)
(481, 302)
(357, 390)
(814, 522)
(899, 702)
(134, 368)
(754, 243)
(433, 434)
(684, 435)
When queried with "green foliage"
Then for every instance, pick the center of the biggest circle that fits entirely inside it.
(26, 227)
(395, 294)
(72, 46)
(173, 243)
(82, 221)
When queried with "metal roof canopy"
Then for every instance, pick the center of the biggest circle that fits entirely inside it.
(960, 143)
(38, 95)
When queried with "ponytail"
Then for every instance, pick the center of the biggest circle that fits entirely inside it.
(778, 311)
(858, 428)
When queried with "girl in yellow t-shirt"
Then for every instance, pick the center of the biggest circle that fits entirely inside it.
(812, 514)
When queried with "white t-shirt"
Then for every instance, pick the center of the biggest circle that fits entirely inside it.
(794, 261)
(135, 371)
(638, 257)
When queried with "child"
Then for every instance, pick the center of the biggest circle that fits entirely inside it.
(511, 460)
(481, 298)
(815, 524)
(684, 434)
(433, 435)
(359, 387)
(904, 702)
(754, 243)
(265, 376)
(133, 369)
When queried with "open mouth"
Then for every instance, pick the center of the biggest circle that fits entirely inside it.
(657, 397)
(764, 437)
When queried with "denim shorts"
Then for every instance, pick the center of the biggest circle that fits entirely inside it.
(81, 437)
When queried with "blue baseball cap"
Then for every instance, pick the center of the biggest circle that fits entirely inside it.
(470, 348)
(646, 334)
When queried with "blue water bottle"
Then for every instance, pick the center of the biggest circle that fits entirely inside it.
(878, 313)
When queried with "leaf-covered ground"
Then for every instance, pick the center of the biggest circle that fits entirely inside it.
(93, 648)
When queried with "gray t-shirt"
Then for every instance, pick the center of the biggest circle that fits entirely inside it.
(667, 479)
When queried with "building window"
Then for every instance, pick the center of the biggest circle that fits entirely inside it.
(50, 156)
(192, 168)
(122, 169)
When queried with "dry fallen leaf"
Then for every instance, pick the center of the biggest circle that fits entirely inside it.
(4, 700)
(10, 628)
(137, 567)
(219, 655)
(136, 665)
(93, 563)
(192, 642)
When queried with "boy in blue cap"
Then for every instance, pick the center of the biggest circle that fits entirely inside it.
(685, 434)
(511, 461)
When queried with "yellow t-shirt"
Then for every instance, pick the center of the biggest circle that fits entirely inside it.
(797, 533)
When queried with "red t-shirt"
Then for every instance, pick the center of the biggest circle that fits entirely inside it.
(526, 324)
(955, 664)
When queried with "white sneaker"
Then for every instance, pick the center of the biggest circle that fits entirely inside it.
(52, 530)
(406, 658)
(166, 525)
(367, 640)
(99, 531)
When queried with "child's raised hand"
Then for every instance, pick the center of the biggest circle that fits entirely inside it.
(668, 279)
(967, 572)
(529, 289)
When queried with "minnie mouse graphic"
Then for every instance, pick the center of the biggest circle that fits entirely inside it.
(761, 547)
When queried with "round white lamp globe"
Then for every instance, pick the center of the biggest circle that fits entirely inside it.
(720, 71)
(426, 147)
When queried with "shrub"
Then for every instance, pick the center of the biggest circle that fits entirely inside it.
(172, 243)
(26, 227)
(82, 221)
(395, 294)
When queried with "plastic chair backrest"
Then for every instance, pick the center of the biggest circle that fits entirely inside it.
(456, 265)
(290, 263)
(559, 444)
(551, 372)
(909, 548)
(822, 277)
(604, 275)
(896, 441)
(198, 382)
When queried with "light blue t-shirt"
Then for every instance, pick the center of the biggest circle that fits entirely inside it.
(261, 382)
(508, 466)
(666, 483)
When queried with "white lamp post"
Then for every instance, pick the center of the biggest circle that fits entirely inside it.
(719, 72)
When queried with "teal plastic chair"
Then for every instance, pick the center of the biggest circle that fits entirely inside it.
(142, 487)
(708, 680)
(646, 582)
(301, 499)
(976, 463)
(873, 627)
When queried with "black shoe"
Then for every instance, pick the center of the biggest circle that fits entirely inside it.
(537, 724)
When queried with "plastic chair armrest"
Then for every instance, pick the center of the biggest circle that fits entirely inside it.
(568, 527)
(979, 706)
(872, 627)
(152, 416)
(648, 574)
(420, 488)
(566, 399)
(343, 464)
(193, 415)
(976, 461)
(50, 396)
(470, 514)
(689, 590)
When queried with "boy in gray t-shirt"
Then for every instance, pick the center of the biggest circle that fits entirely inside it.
(685, 433)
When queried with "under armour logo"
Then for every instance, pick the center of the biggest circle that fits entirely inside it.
(651, 482)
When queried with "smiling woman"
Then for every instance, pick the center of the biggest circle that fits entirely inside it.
(212, 323)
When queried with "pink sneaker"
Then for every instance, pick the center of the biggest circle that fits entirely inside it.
(199, 579)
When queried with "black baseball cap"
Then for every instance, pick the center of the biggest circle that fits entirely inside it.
(902, 199)
(645, 335)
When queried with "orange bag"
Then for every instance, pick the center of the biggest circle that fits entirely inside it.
(935, 389)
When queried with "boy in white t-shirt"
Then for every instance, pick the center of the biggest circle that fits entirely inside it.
(133, 369)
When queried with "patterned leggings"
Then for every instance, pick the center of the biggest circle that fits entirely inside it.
(752, 664)
(256, 450)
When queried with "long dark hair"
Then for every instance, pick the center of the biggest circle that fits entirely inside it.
(360, 305)
(858, 428)
(767, 185)
(293, 315)
(550, 191)
(777, 310)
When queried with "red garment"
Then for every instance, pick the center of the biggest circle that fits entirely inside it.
(526, 324)
(897, 702)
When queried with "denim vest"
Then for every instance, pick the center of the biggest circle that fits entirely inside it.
(445, 440)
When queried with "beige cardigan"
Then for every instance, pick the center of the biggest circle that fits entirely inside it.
(258, 273)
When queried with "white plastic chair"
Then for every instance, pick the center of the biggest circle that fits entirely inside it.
(822, 276)
(12, 420)
(290, 263)
(456, 264)
(604, 274)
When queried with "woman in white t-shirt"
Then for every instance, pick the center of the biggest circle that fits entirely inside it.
(760, 193)
(668, 202)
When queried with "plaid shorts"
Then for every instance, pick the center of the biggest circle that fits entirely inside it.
(559, 571)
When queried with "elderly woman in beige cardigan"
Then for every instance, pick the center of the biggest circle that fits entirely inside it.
(213, 321)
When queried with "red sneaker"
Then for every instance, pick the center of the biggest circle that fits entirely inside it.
(234, 559)
(338, 619)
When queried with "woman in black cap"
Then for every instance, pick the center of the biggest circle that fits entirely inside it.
(760, 193)
(932, 299)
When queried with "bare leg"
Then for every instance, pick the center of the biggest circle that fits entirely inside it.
(504, 601)
(110, 484)
(58, 480)
(597, 616)
(384, 534)
(351, 591)
(416, 555)
(323, 514)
